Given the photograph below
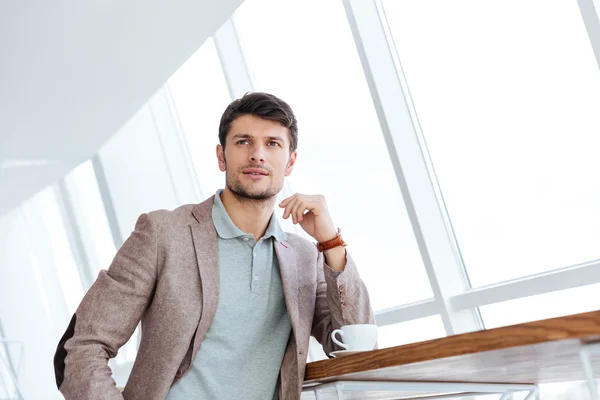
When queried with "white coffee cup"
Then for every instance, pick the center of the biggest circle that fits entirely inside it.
(359, 337)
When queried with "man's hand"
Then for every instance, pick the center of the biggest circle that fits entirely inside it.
(317, 222)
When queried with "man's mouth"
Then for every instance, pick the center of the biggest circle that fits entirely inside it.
(255, 171)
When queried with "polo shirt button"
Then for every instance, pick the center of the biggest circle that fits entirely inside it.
(245, 239)
(256, 278)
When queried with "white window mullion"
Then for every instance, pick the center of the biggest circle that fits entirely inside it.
(75, 234)
(407, 312)
(231, 54)
(107, 201)
(175, 151)
(591, 18)
(562, 279)
(419, 188)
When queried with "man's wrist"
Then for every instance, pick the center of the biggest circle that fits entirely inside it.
(336, 258)
(334, 242)
(324, 238)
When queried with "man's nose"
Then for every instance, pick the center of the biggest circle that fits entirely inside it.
(257, 154)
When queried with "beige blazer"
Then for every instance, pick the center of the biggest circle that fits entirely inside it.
(166, 275)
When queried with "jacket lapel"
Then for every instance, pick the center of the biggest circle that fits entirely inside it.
(287, 267)
(206, 246)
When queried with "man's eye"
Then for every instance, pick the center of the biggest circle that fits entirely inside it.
(242, 141)
(274, 143)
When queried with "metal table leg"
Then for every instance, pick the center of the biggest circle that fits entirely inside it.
(585, 354)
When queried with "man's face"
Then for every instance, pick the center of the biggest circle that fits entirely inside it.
(256, 158)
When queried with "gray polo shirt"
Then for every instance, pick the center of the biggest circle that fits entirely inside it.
(241, 355)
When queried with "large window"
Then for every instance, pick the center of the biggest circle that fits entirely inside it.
(91, 215)
(9, 373)
(417, 330)
(507, 94)
(96, 236)
(59, 247)
(341, 153)
(200, 95)
(543, 306)
(497, 100)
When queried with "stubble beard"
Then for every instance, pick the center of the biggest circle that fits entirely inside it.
(242, 193)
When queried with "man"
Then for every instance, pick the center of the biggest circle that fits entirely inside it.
(227, 300)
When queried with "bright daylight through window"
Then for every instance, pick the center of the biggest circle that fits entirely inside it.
(62, 255)
(90, 210)
(510, 117)
(200, 95)
(341, 151)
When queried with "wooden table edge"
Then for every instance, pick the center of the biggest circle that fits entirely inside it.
(584, 327)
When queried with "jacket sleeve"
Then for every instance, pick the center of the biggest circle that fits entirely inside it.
(342, 299)
(107, 317)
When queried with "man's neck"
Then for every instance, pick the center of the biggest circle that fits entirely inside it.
(248, 216)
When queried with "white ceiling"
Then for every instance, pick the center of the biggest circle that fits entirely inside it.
(73, 72)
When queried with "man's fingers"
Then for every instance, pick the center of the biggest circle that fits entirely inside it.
(287, 211)
(288, 200)
(294, 209)
(289, 208)
(297, 204)
(300, 211)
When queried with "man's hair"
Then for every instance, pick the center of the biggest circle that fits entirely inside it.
(261, 105)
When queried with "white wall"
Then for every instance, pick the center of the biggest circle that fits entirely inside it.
(73, 72)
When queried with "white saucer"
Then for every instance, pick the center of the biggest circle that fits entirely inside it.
(343, 353)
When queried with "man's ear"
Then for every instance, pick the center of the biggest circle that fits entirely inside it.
(291, 163)
(221, 158)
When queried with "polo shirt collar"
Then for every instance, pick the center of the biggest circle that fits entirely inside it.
(226, 229)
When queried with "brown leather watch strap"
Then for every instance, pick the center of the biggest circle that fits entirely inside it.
(330, 244)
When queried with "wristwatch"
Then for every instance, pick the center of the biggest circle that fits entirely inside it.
(330, 244)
